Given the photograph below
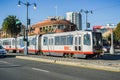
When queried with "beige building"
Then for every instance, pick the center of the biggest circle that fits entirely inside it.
(2, 33)
(105, 30)
(52, 25)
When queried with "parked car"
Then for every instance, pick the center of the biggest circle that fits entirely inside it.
(117, 47)
(106, 49)
(3, 52)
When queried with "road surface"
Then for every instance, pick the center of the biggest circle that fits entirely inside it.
(17, 69)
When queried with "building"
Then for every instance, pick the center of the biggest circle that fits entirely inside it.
(52, 25)
(105, 29)
(2, 33)
(76, 18)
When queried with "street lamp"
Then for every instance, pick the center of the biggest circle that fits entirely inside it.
(27, 4)
(86, 12)
(112, 46)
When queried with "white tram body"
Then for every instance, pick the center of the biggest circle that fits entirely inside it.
(34, 44)
(8, 43)
(72, 44)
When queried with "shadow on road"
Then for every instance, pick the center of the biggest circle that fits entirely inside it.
(9, 66)
(8, 56)
(110, 57)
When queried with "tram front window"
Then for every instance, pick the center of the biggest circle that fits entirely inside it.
(97, 39)
(87, 39)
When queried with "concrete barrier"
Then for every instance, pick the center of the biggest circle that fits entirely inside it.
(77, 64)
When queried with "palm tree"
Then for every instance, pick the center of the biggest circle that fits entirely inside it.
(10, 27)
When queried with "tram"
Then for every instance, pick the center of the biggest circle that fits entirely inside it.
(85, 44)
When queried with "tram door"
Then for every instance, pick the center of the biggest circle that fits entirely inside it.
(77, 42)
(87, 45)
(50, 46)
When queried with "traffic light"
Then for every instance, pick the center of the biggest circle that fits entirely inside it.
(28, 21)
(88, 25)
(18, 23)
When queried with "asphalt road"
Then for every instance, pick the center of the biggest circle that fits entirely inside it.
(17, 69)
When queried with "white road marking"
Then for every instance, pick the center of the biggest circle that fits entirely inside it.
(10, 64)
(5, 62)
(37, 69)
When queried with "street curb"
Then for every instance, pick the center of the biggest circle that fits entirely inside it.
(77, 64)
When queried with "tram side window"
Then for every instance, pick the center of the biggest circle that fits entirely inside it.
(21, 42)
(45, 41)
(87, 40)
(33, 41)
(75, 40)
(0, 42)
(69, 40)
(51, 41)
(6, 42)
(79, 41)
(13, 42)
(18, 42)
(63, 40)
(57, 40)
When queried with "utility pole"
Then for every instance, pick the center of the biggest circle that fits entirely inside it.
(86, 12)
(27, 4)
(112, 46)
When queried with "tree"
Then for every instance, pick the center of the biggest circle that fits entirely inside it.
(10, 27)
(117, 32)
(116, 35)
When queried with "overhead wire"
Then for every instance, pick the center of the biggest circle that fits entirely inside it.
(107, 7)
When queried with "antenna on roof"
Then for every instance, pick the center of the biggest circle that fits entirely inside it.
(56, 8)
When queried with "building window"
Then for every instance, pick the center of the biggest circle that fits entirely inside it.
(61, 27)
(40, 29)
(46, 27)
(58, 26)
(43, 28)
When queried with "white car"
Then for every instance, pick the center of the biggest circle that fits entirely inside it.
(3, 52)
(106, 49)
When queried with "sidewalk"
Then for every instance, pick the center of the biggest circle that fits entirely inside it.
(108, 62)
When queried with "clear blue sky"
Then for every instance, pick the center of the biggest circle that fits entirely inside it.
(104, 11)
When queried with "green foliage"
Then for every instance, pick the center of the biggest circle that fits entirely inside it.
(116, 35)
(117, 32)
(10, 27)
